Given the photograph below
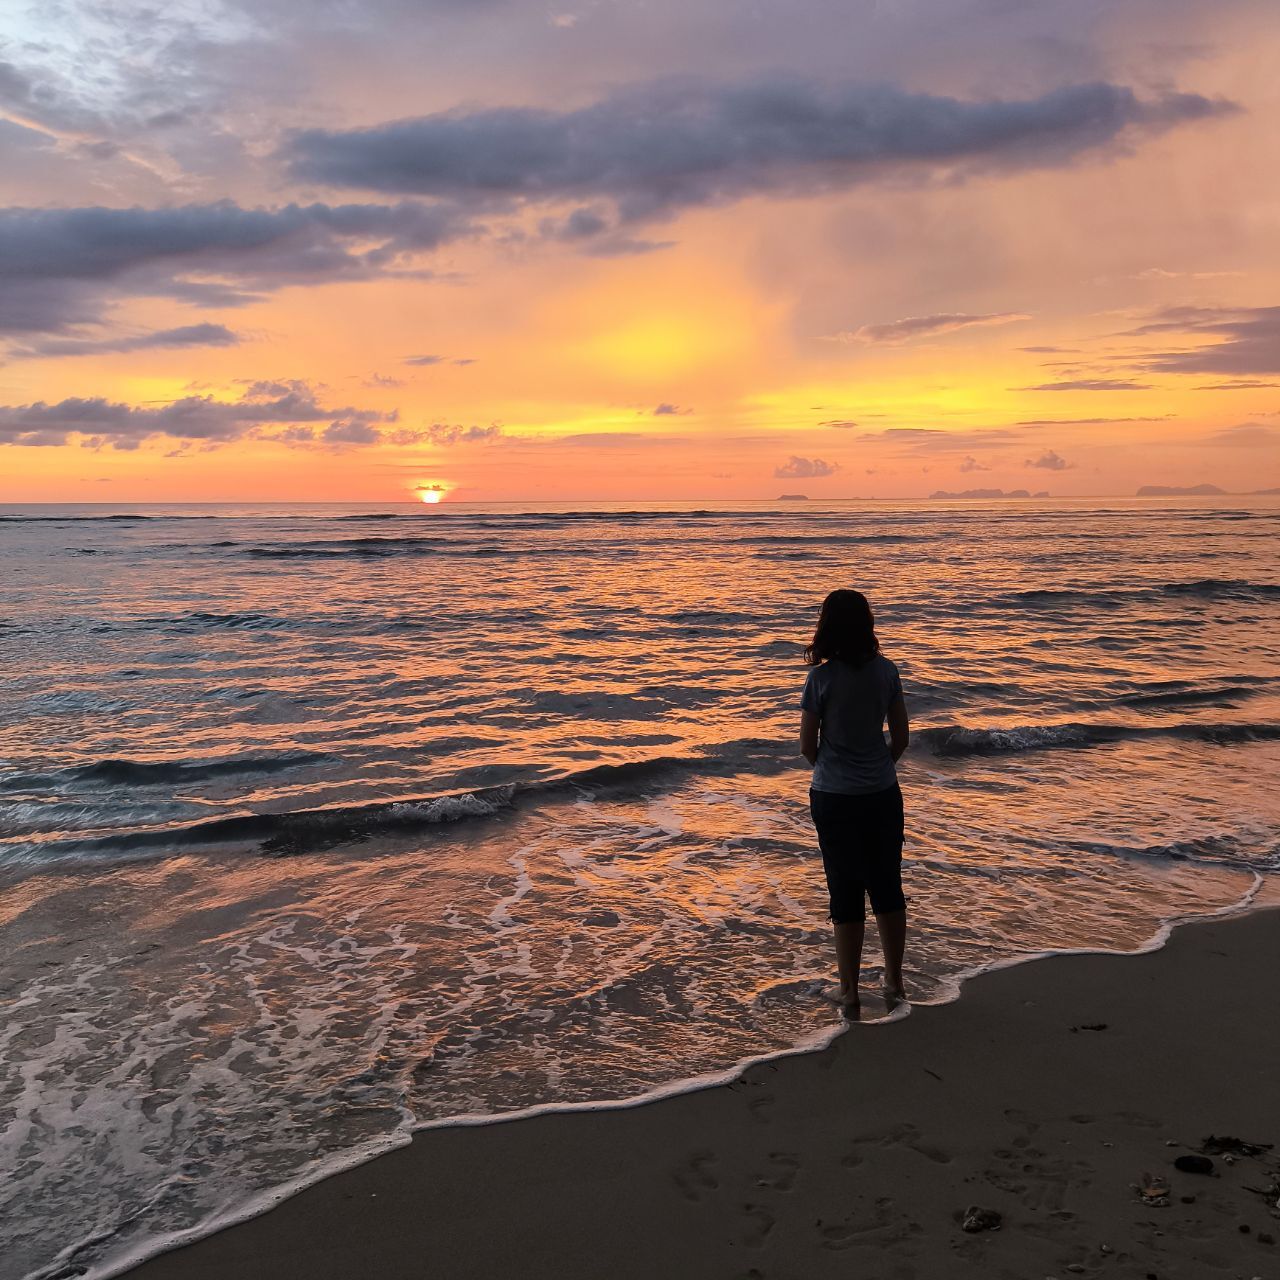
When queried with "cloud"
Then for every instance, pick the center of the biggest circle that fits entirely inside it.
(898, 331)
(1251, 346)
(972, 464)
(96, 421)
(350, 432)
(1090, 384)
(936, 440)
(1248, 435)
(654, 148)
(427, 361)
(1048, 461)
(805, 469)
(665, 410)
(842, 424)
(1084, 422)
(1245, 384)
(189, 335)
(615, 440)
(65, 266)
(445, 434)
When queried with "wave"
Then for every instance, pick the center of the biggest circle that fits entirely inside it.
(1222, 848)
(150, 773)
(307, 830)
(959, 740)
(1201, 589)
(833, 540)
(1189, 697)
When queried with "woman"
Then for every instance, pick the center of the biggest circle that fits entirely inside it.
(854, 798)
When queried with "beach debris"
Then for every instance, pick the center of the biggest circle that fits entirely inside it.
(1228, 1146)
(1154, 1190)
(1194, 1164)
(1270, 1194)
(979, 1219)
(1090, 1026)
(1187, 1199)
(1265, 1237)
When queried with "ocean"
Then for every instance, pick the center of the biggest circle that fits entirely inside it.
(323, 824)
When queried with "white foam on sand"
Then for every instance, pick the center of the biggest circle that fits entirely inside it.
(337, 1163)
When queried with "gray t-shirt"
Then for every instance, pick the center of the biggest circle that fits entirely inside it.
(853, 756)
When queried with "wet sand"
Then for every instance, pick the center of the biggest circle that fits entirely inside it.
(1044, 1094)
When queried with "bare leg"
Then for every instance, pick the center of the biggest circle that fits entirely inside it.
(893, 938)
(849, 959)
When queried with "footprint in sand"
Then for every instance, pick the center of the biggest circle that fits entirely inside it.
(906, 1135)
(882, 1225)
(762, 1222)
(696, 1178)
(783, 1174)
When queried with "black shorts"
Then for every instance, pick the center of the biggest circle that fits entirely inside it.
(861, 841)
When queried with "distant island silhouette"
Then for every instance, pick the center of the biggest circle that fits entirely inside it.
(793, 497)
(988, 493)
(1178, 491)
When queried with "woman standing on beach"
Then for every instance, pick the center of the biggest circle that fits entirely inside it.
(854, 798)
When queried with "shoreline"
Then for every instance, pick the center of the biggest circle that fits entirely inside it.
(631, 1187)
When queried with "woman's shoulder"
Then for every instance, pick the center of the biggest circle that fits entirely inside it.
(886, 667)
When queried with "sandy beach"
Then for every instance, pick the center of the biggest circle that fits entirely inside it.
(1045, 1093)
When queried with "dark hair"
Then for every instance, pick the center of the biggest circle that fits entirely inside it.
(846, 630)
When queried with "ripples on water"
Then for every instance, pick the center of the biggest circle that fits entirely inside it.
(317, 824)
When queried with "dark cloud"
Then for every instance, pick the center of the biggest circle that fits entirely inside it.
(843, 424)
(1090, 384)
(350, 431)
(189, 335)
(1251, 346)
(663, 410)
(96, 421)
(1048, 461)
(63, 266)
(896, 331)
(805, 469)
(654, 148)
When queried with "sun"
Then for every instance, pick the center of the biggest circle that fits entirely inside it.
(430, 495)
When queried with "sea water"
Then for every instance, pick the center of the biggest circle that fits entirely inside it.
(322, 824)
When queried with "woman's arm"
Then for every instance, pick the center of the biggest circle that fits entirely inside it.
(809, 722)
(899, 729)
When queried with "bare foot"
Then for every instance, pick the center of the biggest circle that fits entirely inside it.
(893, 996)
(846, 1000)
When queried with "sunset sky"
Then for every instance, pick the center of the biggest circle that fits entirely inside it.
(672, 249)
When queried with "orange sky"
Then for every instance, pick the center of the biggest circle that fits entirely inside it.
(876, 250)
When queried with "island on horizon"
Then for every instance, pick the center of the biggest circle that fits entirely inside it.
(989, 493)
